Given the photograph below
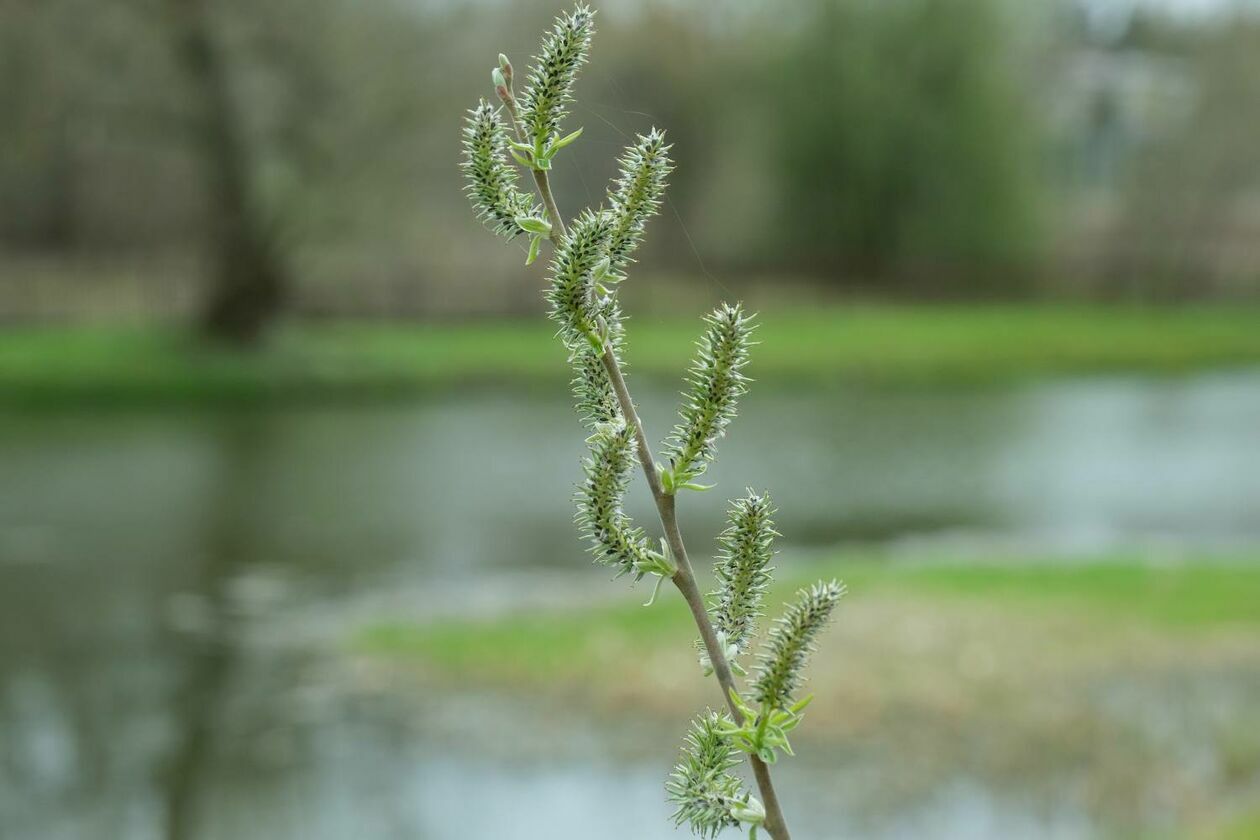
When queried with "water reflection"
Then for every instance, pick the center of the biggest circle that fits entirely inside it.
(209, 643)
(150, 686)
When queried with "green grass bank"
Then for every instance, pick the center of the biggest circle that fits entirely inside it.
(1021, 674)
(876, 344)
(1110, 593)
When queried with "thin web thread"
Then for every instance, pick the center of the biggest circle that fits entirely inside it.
(691, 243)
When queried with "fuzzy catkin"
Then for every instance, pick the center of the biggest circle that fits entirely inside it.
(613, 539)
(549, 87)
(790, 642)
(742, 569)
(700, 785)
(491, 181)
(716, 382)
(571, 296)
(636, 194)
(595, 399)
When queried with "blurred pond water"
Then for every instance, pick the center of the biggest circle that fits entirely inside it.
(172, 581)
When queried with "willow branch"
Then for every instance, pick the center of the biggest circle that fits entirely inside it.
(684, 579)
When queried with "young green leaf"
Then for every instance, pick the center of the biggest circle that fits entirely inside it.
(534, 224)
(563, 142)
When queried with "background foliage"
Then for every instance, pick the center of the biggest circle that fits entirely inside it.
(973, 148)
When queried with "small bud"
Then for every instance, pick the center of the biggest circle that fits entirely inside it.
(506, 67)
(501, 87)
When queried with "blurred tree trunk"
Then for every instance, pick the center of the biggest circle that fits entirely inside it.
(249, 276)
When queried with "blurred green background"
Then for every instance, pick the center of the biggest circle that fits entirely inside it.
(286, 448)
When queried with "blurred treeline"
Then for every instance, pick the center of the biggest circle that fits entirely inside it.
(229, 160)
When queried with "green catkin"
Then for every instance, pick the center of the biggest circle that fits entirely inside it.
(716, 382)
(573, 304)
(742, 569)
(491, 181)
(595, 401)
(700, 785)
(789, 644)
(636, 194)
(613, 539)
(634, 199)
(549, 88)
(592, 390)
